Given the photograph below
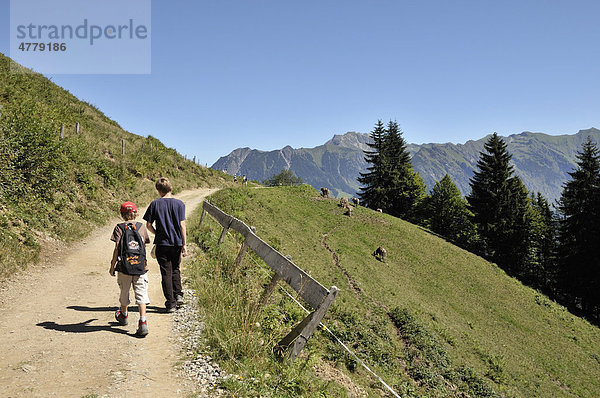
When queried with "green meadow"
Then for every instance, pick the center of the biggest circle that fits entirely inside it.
(431, 320)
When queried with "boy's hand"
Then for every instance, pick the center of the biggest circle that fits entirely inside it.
(184, 251)
(111, 271)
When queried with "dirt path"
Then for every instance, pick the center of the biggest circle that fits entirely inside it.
(58, 335)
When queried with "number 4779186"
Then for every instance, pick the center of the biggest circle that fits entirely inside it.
(43, 47)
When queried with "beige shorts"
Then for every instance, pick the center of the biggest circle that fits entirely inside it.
(140, 288)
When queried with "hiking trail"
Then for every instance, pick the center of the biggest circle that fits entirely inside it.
(58, 332)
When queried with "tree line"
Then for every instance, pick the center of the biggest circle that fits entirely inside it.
(555, 252)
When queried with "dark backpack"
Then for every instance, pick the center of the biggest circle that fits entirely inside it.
(132, 250)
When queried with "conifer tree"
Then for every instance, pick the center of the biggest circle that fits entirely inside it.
(372, 191)
(501, 211)
(390, 183)
(579, 230)
(448, 215)
(544, 232)
(405, 188)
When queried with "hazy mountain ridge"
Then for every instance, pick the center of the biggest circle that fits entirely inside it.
(542, 161)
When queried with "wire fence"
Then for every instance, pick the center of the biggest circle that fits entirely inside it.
(336, 338)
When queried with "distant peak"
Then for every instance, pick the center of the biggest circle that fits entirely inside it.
(351, 139)
(591, 130)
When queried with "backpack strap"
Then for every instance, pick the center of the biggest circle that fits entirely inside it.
(138, 226)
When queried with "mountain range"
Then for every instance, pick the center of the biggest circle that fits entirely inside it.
(542, 161)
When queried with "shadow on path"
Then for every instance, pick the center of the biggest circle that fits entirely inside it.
(84, 327)
(133, 308)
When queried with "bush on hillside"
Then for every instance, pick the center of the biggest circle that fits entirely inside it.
(285, 178)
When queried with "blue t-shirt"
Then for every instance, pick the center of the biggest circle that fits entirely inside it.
(166, 215)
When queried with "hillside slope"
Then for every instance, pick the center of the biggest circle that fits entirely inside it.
(542, 161)
(56, 189)
(433, 320)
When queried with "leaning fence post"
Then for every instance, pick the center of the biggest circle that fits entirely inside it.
(62, 132)
(225, 229)
(271, 287)
(202, 216)
(297, 338)
(315, 294)
(269, 290)
(77, 128)
(240, 256)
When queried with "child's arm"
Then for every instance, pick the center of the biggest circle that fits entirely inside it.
(113, 261)
(183, 238)
(150, 228)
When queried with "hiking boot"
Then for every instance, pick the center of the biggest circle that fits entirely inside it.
(142, 329)
(179, 300)
(170, 309)
(122, 319)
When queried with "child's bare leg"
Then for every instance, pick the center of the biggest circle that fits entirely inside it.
(142, 309)
(123, 309)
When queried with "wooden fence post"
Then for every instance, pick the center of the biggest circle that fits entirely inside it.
(312, 292)
(77, 128)
(62, 132)
(269, 290)
(123, 146)
(225, 229)
(271, 287)
(297, 338)
(240, 256)
(202, 216)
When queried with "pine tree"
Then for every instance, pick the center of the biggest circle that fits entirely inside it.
(544, 233)
(405, 188)
(501, 210)
(447, 213)
(579, 230)
(518, 244)
(390, 183)
(372, 191)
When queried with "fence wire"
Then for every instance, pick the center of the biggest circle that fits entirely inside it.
(364, 365)
(360, 361)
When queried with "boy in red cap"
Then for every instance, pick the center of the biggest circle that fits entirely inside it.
(126, 279)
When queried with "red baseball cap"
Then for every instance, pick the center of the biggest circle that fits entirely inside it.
(128, 207)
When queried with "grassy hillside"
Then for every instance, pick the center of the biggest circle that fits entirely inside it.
(433, 320)
(56, 189)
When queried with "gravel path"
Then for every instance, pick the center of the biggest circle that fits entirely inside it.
(198, 368)
(60, 339)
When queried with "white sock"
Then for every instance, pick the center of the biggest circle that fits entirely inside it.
(143, 318)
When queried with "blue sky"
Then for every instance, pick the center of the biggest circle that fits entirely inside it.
(265, 74)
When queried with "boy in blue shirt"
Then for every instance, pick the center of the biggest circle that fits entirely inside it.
(165, 217)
